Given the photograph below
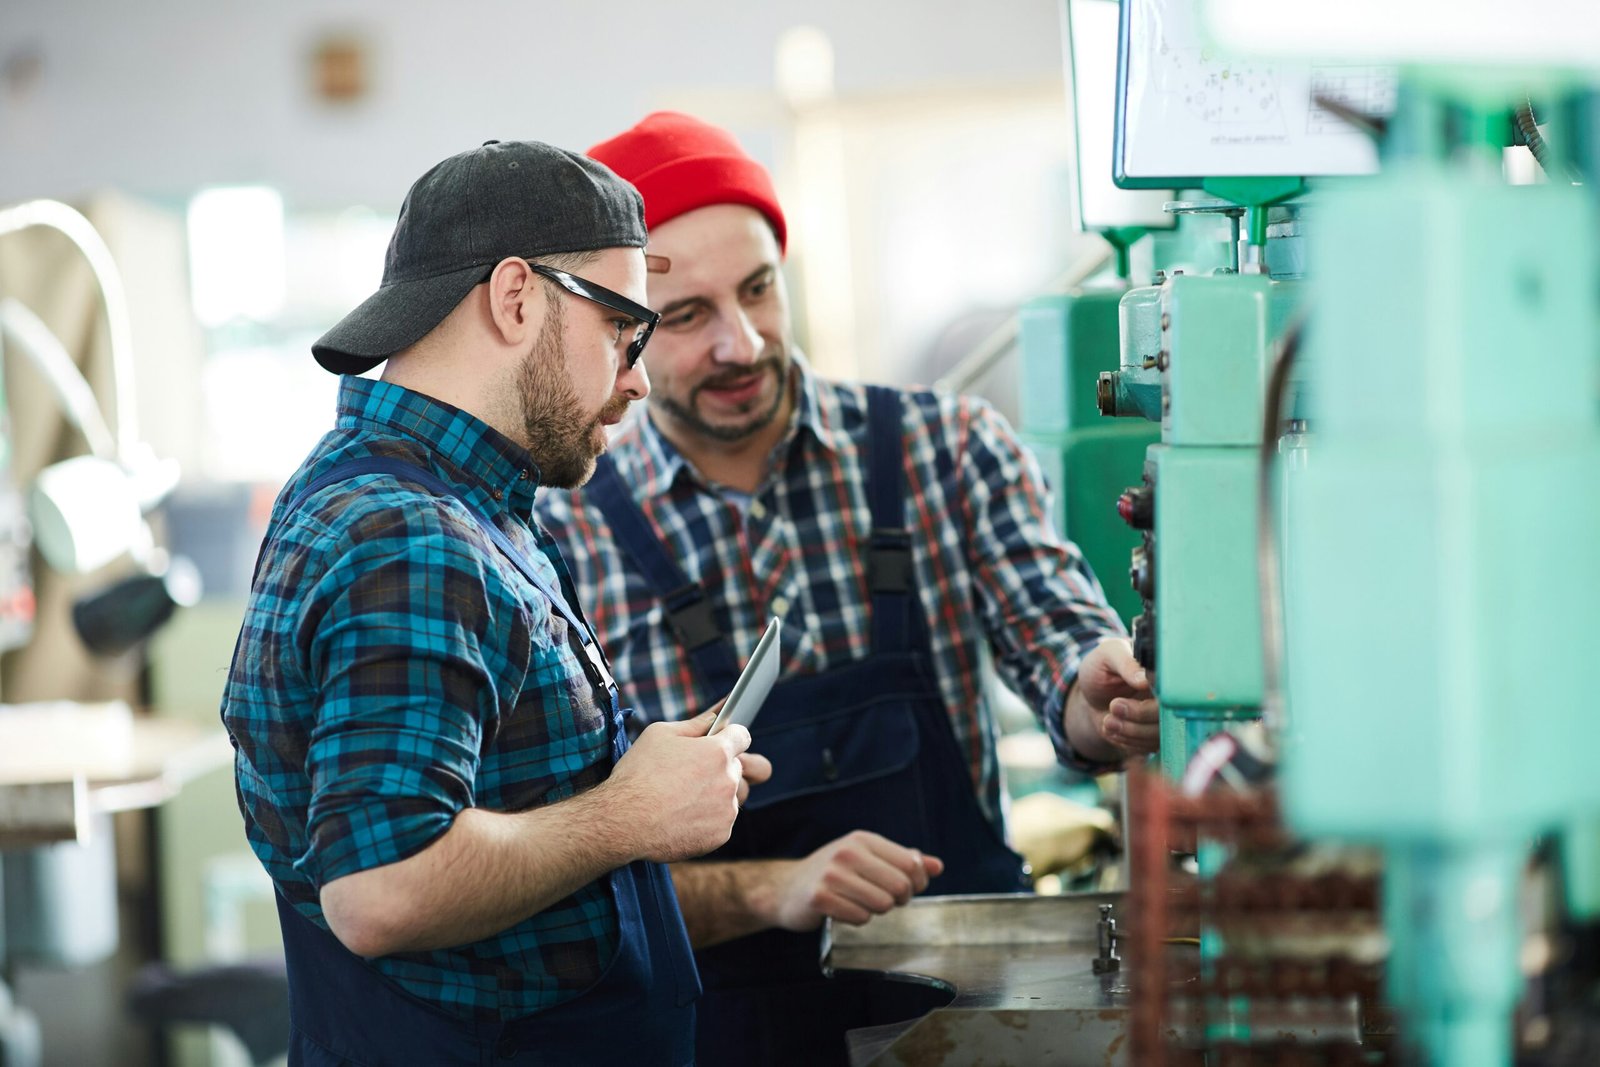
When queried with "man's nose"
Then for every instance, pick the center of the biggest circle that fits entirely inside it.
(738, 342)
(634, 381)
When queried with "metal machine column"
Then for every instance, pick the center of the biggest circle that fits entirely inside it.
(1440, 613)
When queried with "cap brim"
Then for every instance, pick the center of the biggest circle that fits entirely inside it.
(397, 315)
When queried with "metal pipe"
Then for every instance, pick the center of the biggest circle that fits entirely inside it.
(72, 389)
(68, 221)
(988, 352)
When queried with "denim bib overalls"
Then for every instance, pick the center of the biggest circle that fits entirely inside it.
(864, 746)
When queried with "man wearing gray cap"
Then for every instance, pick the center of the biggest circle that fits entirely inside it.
(430, 756)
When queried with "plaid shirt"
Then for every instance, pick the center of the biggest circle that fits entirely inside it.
(395, 668)
(991, 571)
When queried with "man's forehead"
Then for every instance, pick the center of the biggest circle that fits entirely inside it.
(710, 250)
(620, 269)
(713, 229)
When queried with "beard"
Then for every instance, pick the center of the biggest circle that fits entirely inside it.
(686, 411)
(558, 433)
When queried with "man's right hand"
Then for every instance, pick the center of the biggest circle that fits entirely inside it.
(851, 879)
(679, 789)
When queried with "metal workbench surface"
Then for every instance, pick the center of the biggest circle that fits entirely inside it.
(1017, 969)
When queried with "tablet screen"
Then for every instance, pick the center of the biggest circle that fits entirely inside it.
(751, 690)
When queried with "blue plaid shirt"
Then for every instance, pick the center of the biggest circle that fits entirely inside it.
(394, 668)
(993, 575)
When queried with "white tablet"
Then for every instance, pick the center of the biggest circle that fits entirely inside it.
(754, 683)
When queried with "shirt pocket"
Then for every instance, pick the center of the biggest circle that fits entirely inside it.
(555, 741)
(570, 673)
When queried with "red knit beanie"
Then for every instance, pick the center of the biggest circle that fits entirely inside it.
(679, 163)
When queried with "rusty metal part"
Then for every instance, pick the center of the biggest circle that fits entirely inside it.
(1297, 943)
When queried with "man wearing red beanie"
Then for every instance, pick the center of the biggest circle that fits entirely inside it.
(900, 534)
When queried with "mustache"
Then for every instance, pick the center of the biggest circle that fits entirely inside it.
(770, 363)
(615, 408)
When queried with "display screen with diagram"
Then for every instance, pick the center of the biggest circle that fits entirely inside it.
(1186, 110)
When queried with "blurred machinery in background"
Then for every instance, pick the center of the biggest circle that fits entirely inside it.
(88, 511)
(1392, 552)
(1364, 548)
(63, 762)
(1438, 544)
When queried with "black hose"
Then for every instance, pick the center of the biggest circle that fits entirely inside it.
(1267, 560)
(1528, 126)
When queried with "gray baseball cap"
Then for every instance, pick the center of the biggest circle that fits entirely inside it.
(505, 198)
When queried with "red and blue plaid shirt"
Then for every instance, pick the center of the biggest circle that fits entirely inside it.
(992, 573)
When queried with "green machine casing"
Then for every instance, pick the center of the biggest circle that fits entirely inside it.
(1067, 341)
(1441, 617)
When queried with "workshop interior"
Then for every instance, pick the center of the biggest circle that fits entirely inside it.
(1297, 305)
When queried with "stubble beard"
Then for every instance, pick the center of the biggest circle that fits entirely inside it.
(687, 413)
(558, 434)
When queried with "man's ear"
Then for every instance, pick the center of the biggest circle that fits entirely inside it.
(516, 306)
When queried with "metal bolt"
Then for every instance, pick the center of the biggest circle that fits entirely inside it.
(1106, 935)
(1141, 575)
(1105, 393)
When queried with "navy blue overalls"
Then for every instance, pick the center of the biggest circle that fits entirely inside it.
(864, 746)
(641, 1011)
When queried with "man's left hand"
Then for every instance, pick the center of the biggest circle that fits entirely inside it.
(1110, 713)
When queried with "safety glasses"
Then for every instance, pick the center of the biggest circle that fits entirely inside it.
(599, 294)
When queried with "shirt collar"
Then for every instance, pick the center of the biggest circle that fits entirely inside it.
(660, 462)
(483, 457)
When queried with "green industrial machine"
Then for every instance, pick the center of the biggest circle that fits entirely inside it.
(1195, 352)
(1069, 343)
(1436, 537)
(1067, 340)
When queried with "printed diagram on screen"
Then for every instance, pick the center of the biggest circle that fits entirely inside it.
(1188, 110)
(1238, 99)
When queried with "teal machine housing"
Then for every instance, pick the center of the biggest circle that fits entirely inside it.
(1067, 340)
(1195, 355)
(1070, 346)
(1439, 530)
(1444, 535)
(1204, 605)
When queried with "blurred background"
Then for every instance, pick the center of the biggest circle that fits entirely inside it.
(243, 165)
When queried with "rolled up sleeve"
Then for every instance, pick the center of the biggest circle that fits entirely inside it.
(393, 638)
(1043, 609)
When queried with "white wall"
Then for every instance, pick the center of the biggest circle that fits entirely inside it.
(948, 203)
(156, 97)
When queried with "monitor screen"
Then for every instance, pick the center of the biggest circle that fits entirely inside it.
(1091, 50)
(1186, 110)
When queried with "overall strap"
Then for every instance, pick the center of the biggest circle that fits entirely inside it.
(688, 608)
(890, 578)
(411, 472)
